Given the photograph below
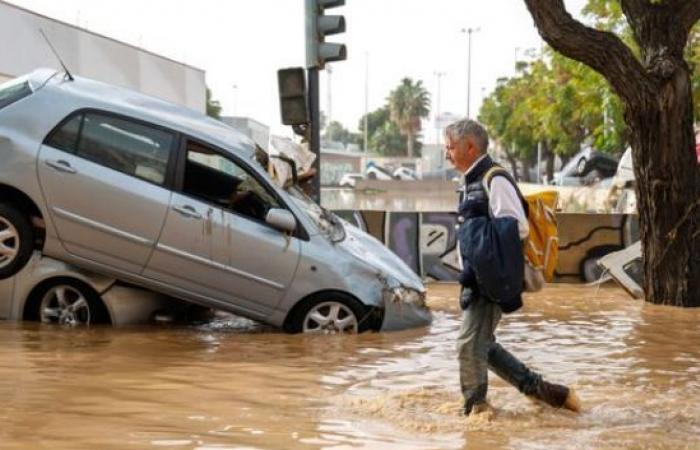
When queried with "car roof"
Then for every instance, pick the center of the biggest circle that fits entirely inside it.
(98, 95)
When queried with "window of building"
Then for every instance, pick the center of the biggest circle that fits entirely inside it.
(220, 180)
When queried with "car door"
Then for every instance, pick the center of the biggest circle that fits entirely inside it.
(251, 264)
(104, 179)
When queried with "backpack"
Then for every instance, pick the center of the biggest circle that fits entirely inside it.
(541, 247)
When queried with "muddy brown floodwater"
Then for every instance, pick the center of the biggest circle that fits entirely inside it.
(234, 385)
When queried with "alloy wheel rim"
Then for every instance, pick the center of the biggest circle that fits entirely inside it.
(330, 318)
(9, 242)
(65, 305)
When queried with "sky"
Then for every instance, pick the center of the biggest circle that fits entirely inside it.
(242, 43)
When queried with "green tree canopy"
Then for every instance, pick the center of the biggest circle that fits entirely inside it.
(409, 103)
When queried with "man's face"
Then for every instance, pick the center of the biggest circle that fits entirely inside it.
(461, 153)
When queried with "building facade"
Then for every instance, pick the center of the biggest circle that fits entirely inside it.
(88, 54)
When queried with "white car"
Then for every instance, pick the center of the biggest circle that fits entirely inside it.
(349, 180)
(375, 172)
(406, 174)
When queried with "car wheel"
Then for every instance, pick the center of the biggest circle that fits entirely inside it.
(581, 166)
(67, 302)
(16, 240)
(330, 314)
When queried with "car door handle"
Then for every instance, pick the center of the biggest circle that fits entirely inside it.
(61, 165)
(188, 211)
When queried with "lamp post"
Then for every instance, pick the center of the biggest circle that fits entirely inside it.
(469, 32)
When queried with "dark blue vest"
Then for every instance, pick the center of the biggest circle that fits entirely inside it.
(492, 253)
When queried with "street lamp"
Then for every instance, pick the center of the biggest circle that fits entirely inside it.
(469, 32)
(438, 128)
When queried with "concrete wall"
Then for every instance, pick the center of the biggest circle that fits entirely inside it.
(23, 49)
(427, 241)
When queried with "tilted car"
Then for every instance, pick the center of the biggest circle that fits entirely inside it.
(155, 195)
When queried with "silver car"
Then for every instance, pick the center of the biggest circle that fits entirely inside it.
(155, 195)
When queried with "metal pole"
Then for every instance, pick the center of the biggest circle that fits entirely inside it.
(315, 132)
(366, 134)
(329, 119)
(539, 161)
(469, 76)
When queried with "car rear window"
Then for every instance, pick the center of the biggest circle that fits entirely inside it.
(13, 92)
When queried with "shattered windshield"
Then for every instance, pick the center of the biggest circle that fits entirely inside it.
(327, 222)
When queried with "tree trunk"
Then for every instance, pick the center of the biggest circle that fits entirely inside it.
(657, 95)
(668, 194)
(526, 170)
(550, 163)
(513, 165)
(409, 144)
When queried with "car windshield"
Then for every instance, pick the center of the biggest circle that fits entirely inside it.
(327, 222)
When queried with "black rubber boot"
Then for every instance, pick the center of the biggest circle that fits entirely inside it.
(557, 396)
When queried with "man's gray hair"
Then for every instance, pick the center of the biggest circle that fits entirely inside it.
(464, 128)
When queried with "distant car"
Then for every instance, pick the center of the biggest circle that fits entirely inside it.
(161, 197)
(586, 167)
(376, 172)
(405, 173)
(349, 180)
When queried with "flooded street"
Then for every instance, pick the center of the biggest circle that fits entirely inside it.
(235, 385)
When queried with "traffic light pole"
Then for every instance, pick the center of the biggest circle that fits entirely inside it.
(314, 137)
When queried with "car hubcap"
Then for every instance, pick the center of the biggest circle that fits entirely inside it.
(65, 305)
(9, 242)
(330, 318)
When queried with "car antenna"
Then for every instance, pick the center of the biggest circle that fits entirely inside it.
(65, 69)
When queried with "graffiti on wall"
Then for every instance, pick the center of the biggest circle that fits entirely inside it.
(427, 241)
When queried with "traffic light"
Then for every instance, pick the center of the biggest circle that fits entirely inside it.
(292, 91)
(318, 26)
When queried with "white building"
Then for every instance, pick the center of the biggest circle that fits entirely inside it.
(23, 49)
(257, 131)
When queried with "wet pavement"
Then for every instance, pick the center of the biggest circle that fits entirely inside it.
(232, 384)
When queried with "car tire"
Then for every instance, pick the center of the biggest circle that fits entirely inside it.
(329, 313)
(16, 240)
(581, 166)
(589, 269)
(67, 302)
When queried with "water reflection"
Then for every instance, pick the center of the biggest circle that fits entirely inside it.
(234, 384)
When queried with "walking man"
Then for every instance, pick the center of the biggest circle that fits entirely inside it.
(467, 143)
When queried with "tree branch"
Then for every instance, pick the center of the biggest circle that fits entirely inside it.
(602, 51)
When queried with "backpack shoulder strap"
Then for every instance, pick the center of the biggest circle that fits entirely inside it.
(496, 171)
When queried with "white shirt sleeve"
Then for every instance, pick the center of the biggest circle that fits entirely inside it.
(505, 202)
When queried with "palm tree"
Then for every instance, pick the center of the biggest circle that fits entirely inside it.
(409, 103)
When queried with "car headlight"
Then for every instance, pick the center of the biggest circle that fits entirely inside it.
(405, 295)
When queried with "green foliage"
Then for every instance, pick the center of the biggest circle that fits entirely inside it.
(336, 132)
(409, 103)
(385, 136)
(213, 106)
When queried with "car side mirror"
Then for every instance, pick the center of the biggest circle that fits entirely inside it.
(281, 219)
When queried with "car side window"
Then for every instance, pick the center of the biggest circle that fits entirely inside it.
(132, 148)
(217, 179)
(66, 136)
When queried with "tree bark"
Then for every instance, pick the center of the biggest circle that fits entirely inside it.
(658, 100)
(409, 144)
(550, 162)
(513, 165)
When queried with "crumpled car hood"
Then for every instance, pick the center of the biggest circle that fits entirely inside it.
(372, 252)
